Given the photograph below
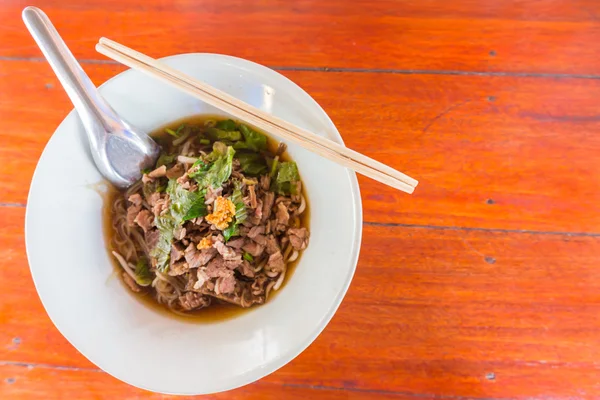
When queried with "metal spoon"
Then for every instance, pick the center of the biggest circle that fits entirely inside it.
(120, 150)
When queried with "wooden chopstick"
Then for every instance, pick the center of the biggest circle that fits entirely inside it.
(239, 109)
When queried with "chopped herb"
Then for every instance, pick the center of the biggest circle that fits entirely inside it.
(204, 141)
(248, 257)
(171, 132)
(274, 167)
(146, 170)
(178, 131)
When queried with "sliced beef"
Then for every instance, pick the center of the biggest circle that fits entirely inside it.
(245, 269)
(132, 213)
(130, 282)
(197, 258)
(265, 182)
(161, 205)
(177, 251)
(258, 212)
(184, 181)
(175, 172)
(225, 285)
(153, 198)
(254, 249)
(255, 231)
(227, 252)
(252, 194)
(212, 194)
(151, 238)
(178, 268)
(135, 199)
(298, 238)
(268, 201)
(206, 255)
(216, 268)
(275, 262)
(283, 217)
(271, 245)
(237, 243)
(158, 172)
(192, 300)
(179, 233)
(145, 220)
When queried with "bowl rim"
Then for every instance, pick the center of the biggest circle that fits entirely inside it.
(283, 358)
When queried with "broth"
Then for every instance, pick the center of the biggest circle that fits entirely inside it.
(218, 310)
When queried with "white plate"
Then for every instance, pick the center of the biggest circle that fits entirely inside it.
(92, 309)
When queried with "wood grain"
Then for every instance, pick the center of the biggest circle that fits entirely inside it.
(490, 152)
(484, 284)
(508, 36)
(31, 382)
(430, 311)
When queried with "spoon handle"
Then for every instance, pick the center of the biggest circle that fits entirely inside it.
(97, 116)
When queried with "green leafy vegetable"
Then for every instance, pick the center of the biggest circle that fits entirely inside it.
(226, 125)
(248, 257)
(204, 141)
(253, 140)
(288, 172)
(143, 276)
(240, 213)
(220, 134)
(162, 251)
(184, 205)
(165, 159)
(252, 163)
(198, 208)
(146, 170)
(287, 175)
(219, 171)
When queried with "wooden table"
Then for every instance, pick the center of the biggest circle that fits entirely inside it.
(484, 284)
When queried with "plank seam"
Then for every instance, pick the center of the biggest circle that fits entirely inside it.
(520, 74)
(476, 229)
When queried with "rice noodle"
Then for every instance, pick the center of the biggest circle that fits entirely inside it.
(294, 256)
(186, 159)
(124, 264)
(179, 140)
(302, 205)
(279, 281)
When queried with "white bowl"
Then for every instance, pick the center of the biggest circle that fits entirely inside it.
(114, 330)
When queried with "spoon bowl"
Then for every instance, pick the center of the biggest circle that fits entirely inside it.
(120, 150)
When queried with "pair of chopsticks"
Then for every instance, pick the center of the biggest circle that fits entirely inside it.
(252, 115)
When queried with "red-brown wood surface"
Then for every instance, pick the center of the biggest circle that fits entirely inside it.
(484, 284)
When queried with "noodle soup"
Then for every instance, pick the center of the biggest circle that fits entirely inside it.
(216, 227)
